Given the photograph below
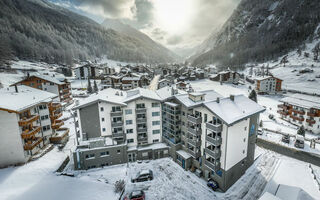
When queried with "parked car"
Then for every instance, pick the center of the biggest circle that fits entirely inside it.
(286, 138)
(144, 175)
(299, 143)
(135, 195)
(212, 184)
(260, 131)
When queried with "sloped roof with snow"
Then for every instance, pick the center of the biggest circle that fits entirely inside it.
(232, 111)
(25, 98)
(302, 100)
(265, 78)
(210, 95)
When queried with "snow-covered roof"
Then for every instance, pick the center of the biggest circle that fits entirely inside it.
(131, 78)
(25, 98)
(171, 104)
(302, 100)
(184, 154)
(48, 78)
(232, 111)
(163, 80)
(286, 192)
(268, 196)
(210, 95)
(266, 77)
(119, 97)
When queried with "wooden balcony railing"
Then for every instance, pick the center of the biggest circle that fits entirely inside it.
(311, 121)
(31, 144)
(57, 124)
(28, 120)
(29, 133)
(301, 112)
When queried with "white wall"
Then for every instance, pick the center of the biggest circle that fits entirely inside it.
(265, 85)
(11, 147)
(236, 143)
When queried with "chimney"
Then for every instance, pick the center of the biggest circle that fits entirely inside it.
(218, 100)
(16, 88)
(232, 97)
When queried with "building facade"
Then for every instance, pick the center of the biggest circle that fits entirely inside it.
(50, 84)
(268, 85)
(301, 110)
(26, 126)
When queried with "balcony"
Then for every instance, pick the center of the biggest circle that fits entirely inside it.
(56, 116)
(141, 110)
(32, 144)
(117, 134)
(281, 112)
(215, 166)
(141, 120)
(142, 138)
(301, 112)
(213, 153)
(297, 118)
(195, 143)
(116, 124)
(29, 133)
(194, 154)
(60, 136)
(57, 124)
(54, 106)
(312, 114)
(215, 127)
(311, 121)
(142, 130)
(194, 130)
(28, 120)
(194, 119)
(116, 113)
(214, 141)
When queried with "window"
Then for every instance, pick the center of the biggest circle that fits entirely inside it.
(145, 154)
(155, 141)
(101, 109)
(245, 128)
(51, 83)
(128, 122)
(42, 107)
(46, 128)
(155, 114)
(183, 113)
(128, 112)
(105, 153)
(154, 105)
(157, 131)
(130, 141)
(102, 119)
(129, 131)
(44, 117)
(118, 151)
(140, 105)
(116, 109)
(155, 123)
(88, 156)
(103, 129)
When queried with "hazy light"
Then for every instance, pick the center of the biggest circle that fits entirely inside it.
(173, 16)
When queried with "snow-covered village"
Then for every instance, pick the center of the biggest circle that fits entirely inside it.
(150, 99)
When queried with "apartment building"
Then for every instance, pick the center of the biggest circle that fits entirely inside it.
(268, 85)
(300, 109)
(212, 134)
(87, 71)
(226, 77)
(132, 118)
(25, 123)
(50, 83)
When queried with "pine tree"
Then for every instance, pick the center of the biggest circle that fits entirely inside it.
(89, 88)
(253, 96)
(301, 131)
(95, 87)
(261, 123)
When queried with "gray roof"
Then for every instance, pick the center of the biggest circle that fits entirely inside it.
(210, 95)
(302, 100)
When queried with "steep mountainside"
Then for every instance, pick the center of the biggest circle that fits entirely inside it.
(136, 34)
(38, 30)
(261, 30)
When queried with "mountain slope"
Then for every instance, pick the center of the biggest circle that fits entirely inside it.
(261, 30)
(136, 34)
(38, 30)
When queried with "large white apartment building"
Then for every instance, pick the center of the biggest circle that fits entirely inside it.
(301, 109)
(268, 84)
(25, 123)
(133, 116)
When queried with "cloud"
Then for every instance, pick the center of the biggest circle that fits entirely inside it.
(109, 8)
(173, 40)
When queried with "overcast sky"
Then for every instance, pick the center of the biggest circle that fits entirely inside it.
(173, 23)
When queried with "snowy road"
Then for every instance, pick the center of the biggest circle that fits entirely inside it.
(154, 83)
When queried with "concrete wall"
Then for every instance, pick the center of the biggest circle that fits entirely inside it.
(11, 145)
(90, 122)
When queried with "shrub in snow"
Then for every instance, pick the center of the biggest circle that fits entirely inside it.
(89, 88)
(301, 131)
(261, 123)
(95, 87)
(119, 186)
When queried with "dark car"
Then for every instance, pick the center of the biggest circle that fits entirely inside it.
(135, 195)
(286, 139)
(144, 175)
(212, 184)
(260, 131)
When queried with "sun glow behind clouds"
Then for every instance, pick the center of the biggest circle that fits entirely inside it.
(173, 16)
